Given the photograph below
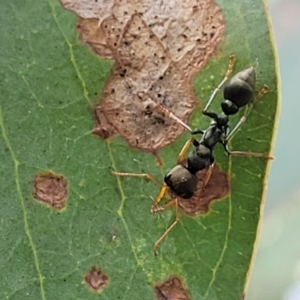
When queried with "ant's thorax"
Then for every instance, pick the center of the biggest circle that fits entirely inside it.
(217, 128)
(221, 120)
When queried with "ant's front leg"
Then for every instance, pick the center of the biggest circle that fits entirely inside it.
(197, 131)
(172, 116)
(155, 208)
(142, 175)
(172, 202)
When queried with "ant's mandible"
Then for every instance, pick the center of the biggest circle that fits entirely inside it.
(182, 181)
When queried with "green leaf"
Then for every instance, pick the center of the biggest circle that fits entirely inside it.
(49, 82)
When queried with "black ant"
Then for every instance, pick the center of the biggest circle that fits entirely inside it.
(182, 181)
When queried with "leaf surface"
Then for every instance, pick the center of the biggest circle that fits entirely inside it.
(49, 83)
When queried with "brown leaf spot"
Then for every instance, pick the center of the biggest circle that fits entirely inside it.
(50, 189)
(131, 108)
(138, 120)
(95, 279)
(216, 188)
(190, 31)
(157, 49)
(171, 289)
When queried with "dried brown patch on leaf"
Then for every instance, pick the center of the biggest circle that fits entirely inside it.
(203, 30)
(171, 289)
(50, 189)
(142, 54)
(138, 85)
(95, 279)
(189, 30)
(158, 46)
(216, 188)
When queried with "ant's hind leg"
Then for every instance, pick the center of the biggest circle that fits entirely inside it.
(217, 89)
(168, 204)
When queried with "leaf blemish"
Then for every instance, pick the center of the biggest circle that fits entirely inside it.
(163, 78)
(171, 289)
(95, 279)
(50, 189)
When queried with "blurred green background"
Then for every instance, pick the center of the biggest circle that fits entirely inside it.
(276, 269)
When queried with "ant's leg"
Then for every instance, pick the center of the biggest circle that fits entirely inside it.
(184, 149)
(248, 154)
(172, 116)
(164, 188)
(245, 116)
(158, 209)
(154, 207)
(217, 89)
(207, 177)
(147, 176)
(197, 131)
(213, 95)
(168, 204)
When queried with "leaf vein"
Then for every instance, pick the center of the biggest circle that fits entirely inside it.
(18, 186)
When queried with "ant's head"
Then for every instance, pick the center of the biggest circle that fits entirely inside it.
(181, 181)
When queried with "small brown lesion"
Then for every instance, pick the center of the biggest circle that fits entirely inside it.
(171, 289)
(96, 279)
(50, 189)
